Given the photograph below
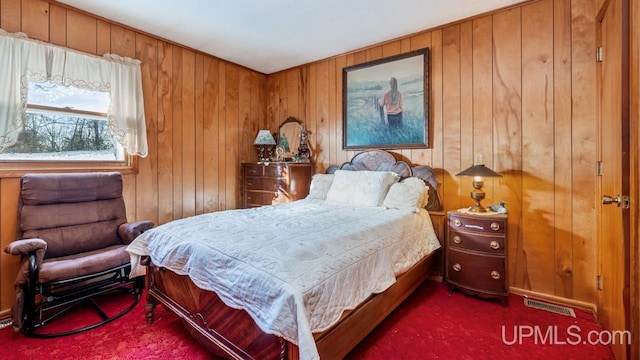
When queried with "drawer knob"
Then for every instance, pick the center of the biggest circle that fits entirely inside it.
(457, 222)
(249, 183)
(495, 275)
(494, 245)
(456, 239)
(457, 267)
(495, 226)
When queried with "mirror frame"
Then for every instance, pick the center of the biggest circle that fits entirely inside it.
(290, 120)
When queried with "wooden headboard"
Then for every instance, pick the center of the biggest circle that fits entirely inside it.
(380, 160)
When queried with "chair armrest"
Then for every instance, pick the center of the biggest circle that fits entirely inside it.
(25, 246)
(129, 231)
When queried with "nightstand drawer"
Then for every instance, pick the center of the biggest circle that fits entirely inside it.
(472, 241)
(484, 273)
(262, 183)
(477, 224)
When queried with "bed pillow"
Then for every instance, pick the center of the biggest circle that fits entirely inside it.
(360, 188)
(410, 194)
(320, 184)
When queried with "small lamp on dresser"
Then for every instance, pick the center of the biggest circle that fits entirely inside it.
(264, 143)
(479, 172)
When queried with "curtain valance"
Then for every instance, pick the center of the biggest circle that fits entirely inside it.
(23, 60)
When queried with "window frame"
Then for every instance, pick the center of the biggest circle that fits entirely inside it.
(17, 168)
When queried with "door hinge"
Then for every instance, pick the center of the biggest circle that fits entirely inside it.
(599, 55)
(599, 282)
(598, 168)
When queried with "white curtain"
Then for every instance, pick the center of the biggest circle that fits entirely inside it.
(23, 60)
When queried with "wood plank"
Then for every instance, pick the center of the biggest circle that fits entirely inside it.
(537, 143)
(423, 156)
(199, 134)
(122, 41)
(311, 121)
(507, 115)
(177, 128)
(9, 264)
(188, 134)
(146, 50)
(11, 15)
(81, 32)
(333, 109)
(563, 221)
(452, 144)
(165, 132)
(583, 150)
(246, 130)
(211, 169)
(57, 25)
(341, 154)
(436, 106)
(222, 135)
(483, 100)
(103, 38)
(467, 128)
(322, 120)
(35, 19)
(232, 139)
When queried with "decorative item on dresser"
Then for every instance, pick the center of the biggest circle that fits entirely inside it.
(476, 254)
(267, 183)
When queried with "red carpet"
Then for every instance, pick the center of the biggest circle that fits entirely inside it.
(431, 324)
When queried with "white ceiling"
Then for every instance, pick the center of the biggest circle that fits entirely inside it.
(273, 35)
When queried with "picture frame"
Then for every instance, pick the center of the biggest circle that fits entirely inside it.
(375, 117)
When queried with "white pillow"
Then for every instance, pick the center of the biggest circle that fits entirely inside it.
(360, 188)
(410, 194)
(320, 184)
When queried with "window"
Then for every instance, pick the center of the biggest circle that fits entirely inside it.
(65, 124)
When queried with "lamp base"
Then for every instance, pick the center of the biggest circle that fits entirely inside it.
(477, 208)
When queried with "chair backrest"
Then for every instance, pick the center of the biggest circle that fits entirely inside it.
(73, 213)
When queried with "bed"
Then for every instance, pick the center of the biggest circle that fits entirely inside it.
(302, 280)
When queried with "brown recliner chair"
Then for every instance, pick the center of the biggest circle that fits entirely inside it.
(74, 231)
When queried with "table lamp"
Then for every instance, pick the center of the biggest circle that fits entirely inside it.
(478, 172)
(264, 143)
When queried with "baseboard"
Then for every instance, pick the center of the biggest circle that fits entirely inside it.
(555, 299)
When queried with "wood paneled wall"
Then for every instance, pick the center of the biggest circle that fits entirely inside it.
(202, 114)
(518, 87)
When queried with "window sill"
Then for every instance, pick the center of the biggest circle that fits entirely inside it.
(13, 169)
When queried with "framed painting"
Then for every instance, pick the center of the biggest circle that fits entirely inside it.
(385, 103)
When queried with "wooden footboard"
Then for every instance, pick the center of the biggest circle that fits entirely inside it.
(233, 334)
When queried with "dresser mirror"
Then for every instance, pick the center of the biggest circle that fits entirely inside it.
(288, 140)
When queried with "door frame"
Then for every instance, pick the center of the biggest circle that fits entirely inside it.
(629, 170)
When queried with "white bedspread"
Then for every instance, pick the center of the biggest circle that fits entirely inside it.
(293, 267)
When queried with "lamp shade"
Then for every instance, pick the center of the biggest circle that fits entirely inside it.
(479, 170)
(264, 138)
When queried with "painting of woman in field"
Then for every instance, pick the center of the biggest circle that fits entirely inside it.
(385, 103)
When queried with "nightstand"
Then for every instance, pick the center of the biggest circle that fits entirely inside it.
(476, 254)
(274, 182)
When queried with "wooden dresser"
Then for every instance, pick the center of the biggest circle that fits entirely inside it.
(273, 182)
(476, 254)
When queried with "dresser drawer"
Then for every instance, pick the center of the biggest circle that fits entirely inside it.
(263, 183)
(477, 224)
(253, 170)
(485, 273)
(477, 242)
(258, 198)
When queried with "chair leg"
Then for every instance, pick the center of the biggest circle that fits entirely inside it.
(41, 314)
